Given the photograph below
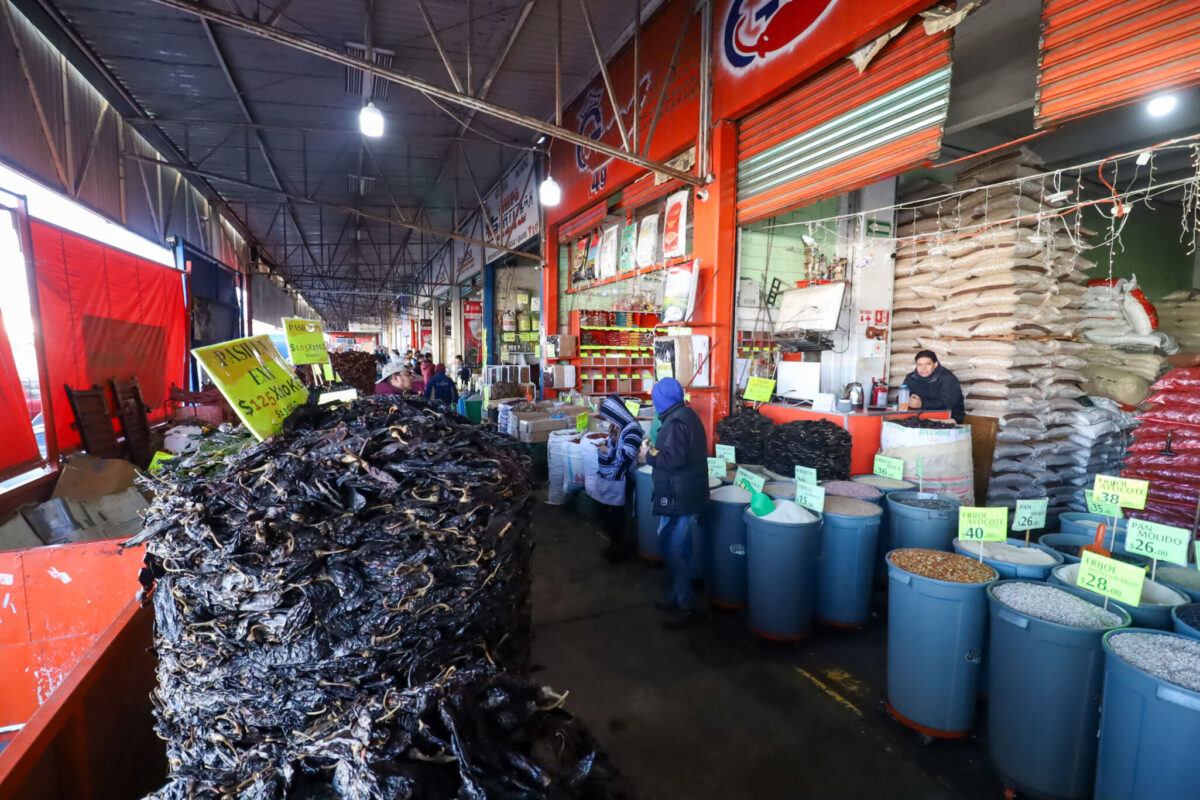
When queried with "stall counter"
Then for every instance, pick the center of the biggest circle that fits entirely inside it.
(865, 427)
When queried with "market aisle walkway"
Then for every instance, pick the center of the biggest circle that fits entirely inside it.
(710, 713)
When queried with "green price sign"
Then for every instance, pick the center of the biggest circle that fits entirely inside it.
(976, 524)
(717, 468)
(727, 452)
(305, 341)
(748, 480)
(921, 468)
(581, 423)
(1124, 492)
(1094, 506)
(1161, 542)
(159, 458)
(1111, 578)
(1030, 514)
(633, 407)
(327, 371)
(889, 467)
(256, 381)
(1196, 545)
(759, 390)
(806, 474)
(810, 496)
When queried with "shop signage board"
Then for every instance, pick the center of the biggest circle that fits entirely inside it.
(256, 381)
(305, 341)
(727, 452)
(886, 467)
(1159, 542)
(1030, 514)
(749, 480)
(810, 496)
(977, 524)
(717, 468)
(1094, 506)
(1111, 578)
(1123, 492)
(760, 390)
(806, 474)
(512, 206)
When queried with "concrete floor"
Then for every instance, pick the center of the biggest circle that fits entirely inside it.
(712, 713)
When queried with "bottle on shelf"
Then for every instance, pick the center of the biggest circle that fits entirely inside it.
(902, 397)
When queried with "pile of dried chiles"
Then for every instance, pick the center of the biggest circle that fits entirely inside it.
(342, 611)
(357, 369)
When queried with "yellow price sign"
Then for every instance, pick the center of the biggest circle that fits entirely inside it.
(327, 371)
(1111, 578)
(1124, 492)
(760, 390)
(157, 462)
(305, 341)
(1094, 506)
(976, 524)
(886, 467)
(255, 380)
(633, 407)
(581, 423)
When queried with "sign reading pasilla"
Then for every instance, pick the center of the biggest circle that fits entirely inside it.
(305, 341)
(977, 524)
(253, 377)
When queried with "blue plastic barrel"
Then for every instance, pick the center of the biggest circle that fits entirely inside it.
(726, 538)
(1145, 615)
(781, 576)
(883, 540)
(1073, 522)
(1007, 569)
(936, 636)
(1182, 627)
(647, 523)
(1052, 540)
(1042, 710)
(784, 490)
(845, 568)
(931, 529)
(1167, 573)
(1149, 732)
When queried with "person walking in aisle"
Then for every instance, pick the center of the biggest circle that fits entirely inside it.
(617, 463)
(679, 459)
(441, 388)
(462, 373)
(394, 380)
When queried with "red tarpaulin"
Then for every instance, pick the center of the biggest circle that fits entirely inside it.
(106, 314)
(20, 448)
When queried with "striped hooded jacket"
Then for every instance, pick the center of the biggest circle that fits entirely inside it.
(621, 459)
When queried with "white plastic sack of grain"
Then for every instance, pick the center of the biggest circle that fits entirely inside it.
(946, 466)
(558, 464)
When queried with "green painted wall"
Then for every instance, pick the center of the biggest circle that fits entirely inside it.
(1149, 247)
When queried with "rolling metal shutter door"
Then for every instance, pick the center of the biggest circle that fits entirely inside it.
(842, 130)
(1097, 54)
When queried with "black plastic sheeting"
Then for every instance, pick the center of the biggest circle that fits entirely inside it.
(746, 430)
(819, 444)
(342, 611)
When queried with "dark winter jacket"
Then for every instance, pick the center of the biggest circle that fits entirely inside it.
(680, 464)
(939, 392)
(441, 388)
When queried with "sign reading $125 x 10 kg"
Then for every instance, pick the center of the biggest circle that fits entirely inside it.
(255, 380)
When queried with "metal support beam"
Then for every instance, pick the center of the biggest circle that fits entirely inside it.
(295, 198)
(608, 87)
(705, 125)
(666, 84)
(437, 43)
(404, 79)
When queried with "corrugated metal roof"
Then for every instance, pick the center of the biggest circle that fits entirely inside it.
(308, 121)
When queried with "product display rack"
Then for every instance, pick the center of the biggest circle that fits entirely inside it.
(616, 351)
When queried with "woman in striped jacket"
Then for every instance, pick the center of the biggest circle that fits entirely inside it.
(617, 463)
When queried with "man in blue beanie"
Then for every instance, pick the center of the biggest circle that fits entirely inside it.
(680, 491)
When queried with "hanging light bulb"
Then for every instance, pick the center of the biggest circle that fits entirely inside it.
(370, 121)
(550, 193)
(1162, 105)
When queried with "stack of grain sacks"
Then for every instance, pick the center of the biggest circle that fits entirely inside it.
(991, 280)
(1126, 352)
(1179, 316)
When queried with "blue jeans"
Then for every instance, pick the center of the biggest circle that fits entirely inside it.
(675, 541)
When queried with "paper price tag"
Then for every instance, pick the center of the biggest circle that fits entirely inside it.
(581, 423)
(976, 524)
(760, 390)
(717, 468)
(305, 341)
(1125, 492)
(159, 458)
(256, 381)
(748, 480)
(327, 371)
(806, 474)
(1111, 578)
(1030, 514)
(810, 496)
(727, 452)
(1094, 506)
(889, 467)
(633, 407)
(1156, 541)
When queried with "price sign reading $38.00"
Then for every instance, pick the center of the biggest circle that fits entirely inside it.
(1030, 514)
(1124, 492)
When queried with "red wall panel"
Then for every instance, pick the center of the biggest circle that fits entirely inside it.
(20, 448)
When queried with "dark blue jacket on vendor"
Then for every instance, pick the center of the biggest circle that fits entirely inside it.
(934, 388)
(441, 388)
(680, 457)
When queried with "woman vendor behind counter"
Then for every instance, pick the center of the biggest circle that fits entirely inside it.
(934, 388)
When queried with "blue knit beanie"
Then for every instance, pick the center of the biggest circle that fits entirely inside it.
(665, 394)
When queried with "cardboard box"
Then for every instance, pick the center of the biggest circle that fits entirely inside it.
(17, 535)
(538, 430)
(568, 346)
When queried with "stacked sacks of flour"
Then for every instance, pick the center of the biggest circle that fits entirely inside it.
(991, 280)
(1179, 316)
(1166, 449)
(1126, 352)
(1102, 432)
